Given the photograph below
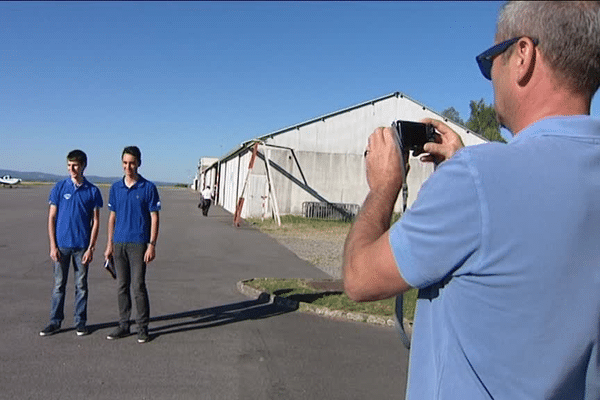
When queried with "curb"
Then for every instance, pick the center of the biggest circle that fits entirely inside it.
(322, 311)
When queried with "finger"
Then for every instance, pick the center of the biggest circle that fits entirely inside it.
(427, 158)
(441, 127)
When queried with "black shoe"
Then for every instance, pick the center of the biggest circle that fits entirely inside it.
(143, 336)
(118, 333)
(82, 330)
(50, 330)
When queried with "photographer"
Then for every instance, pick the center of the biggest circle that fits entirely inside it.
(503, 239)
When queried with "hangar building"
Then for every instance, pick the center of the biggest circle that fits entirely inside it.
(316, 168)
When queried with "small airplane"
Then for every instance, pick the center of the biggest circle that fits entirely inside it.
(7, 180)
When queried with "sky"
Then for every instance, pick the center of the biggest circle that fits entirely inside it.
(184, 80)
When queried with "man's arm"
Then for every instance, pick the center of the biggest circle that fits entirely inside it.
(370, 271)
(151, 250)
(111, 230)
(52, 213)
(88, 256)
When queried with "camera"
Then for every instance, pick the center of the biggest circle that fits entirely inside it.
(414, 135)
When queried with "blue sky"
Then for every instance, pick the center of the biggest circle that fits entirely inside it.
(184, 80)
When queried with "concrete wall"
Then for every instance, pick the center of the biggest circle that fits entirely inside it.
(322, 159)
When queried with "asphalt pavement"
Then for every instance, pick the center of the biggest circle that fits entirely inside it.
(209, 341)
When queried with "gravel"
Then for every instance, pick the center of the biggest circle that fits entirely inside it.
(322, 250)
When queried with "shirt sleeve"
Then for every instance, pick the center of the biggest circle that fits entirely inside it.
(53, 198)
(111, 198)
(442, 229)
(154, 203)
(98, 203)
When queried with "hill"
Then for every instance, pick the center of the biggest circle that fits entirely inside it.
(44, 177)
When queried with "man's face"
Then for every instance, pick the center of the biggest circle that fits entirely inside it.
(130, 165)
(75, 169)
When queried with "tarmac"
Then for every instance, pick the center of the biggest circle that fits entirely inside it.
(209, 340)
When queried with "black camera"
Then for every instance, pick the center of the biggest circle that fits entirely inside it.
(414, 135)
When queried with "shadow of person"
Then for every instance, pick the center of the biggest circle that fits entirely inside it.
(262, 307)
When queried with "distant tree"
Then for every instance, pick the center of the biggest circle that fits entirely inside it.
(483, 121)
(453, 115)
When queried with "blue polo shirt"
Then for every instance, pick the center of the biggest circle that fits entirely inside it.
(504, 243)
(75, 210)
(132, 207)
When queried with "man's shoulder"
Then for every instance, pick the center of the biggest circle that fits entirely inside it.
(144, 181)
(90, 185)
(117, 184)
(61, 185)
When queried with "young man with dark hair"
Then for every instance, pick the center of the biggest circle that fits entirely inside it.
(503, 239)
(133, 223)
(73, 223)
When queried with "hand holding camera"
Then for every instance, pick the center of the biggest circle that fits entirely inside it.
(384, 171)
(446, 144)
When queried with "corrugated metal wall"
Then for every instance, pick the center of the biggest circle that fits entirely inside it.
(322, 160)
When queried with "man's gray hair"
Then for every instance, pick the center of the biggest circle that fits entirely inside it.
(568, 34)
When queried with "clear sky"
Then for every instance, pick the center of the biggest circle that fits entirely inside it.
(184, 80)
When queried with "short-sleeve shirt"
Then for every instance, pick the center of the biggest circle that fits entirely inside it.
(75, 209)
(504, 243)
(132, 207)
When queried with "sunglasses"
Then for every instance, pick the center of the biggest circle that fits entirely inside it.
(485, 59)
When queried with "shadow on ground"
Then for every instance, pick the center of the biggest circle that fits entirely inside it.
(305, 297)
(212, 317)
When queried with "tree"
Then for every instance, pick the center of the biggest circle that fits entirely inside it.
(483, 121)
(453, 115)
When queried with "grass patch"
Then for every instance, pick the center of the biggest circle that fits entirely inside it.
(297, 225)
(301, 290)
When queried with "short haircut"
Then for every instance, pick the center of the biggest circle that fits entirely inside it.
(78, 156)
(568, 34)
(134, 151)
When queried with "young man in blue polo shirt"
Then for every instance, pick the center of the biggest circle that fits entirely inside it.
(132, 232)
(73, 221)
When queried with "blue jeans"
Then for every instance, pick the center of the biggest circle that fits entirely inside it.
(61, 273)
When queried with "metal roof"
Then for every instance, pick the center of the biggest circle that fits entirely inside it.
(244, 145)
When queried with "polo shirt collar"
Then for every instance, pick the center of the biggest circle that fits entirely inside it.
(84, 183)
(139, 182)
(568, 126)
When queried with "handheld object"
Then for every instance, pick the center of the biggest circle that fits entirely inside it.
(414, 135)
(108, 265)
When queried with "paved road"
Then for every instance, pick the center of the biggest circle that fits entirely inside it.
(210, 341)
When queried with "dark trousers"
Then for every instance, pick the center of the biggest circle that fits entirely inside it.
(205, 206)
(131, 271)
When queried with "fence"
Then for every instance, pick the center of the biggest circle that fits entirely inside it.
(323, 210)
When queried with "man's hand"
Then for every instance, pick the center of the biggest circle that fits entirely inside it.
(88, 256)
(150, 253)
(108, 252)
(448, 142)
(54, 253)
(384, 170)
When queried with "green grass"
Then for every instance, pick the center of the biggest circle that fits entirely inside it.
(297, 226)
(298, 289)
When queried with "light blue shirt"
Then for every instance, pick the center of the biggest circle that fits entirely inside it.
(504, 243)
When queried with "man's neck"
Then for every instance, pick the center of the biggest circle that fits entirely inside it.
(78, 180)
(130, 181)
(544, 98)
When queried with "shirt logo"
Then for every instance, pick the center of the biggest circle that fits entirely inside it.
(67, 196)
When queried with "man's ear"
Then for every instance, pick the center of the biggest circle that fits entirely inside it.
(525, 60)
